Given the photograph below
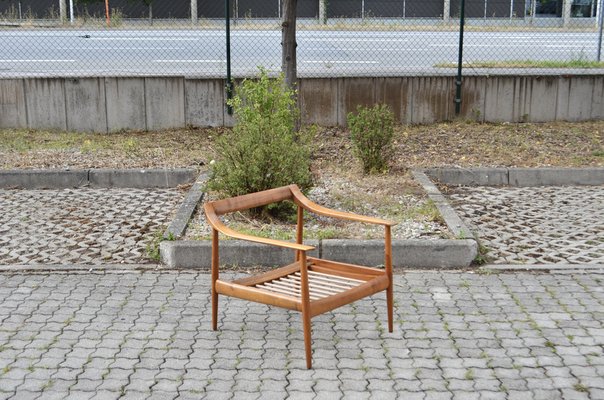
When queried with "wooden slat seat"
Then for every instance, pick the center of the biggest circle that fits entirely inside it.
(310, 285)
(320, 285)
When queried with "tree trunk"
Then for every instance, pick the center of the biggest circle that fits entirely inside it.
(288, 42)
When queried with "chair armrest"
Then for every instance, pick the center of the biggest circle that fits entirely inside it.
(222, 228)
(304, 202)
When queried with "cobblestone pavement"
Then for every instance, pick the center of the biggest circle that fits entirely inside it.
(147, 335)
(83, 226)
(546, 225)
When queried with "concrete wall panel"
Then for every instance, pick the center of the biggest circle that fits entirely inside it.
(395, 93)
(165, 102)
(473, 98)
(597, 104)
(229, 119)
(521, 100)
(432, 99)
(204, 102)
(158, 103)
(45, 102)
(542, 98)
(499, 97)
(319, 101)
(354, 92)
(125, 103)
(575, 98)
(13, 113)
(86, 105)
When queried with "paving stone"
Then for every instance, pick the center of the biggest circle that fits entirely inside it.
(135, 395)
(511, 222)
(98, 226)
(409, 366)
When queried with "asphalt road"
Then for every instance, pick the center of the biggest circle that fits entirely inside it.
(320, 53)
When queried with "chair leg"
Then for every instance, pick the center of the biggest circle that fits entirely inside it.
(214, 279)
(388, 265)
(307, 338)
(214, 310)
(389, 301)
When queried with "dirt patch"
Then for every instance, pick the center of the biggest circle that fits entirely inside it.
(463, 144)
(339, 182)
(53, 149)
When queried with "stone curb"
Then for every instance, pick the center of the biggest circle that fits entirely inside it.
(519, 177)
(185, 212)
(81, 268)
(96, 178)
(413, 253)
(452, 220)
(543, 267)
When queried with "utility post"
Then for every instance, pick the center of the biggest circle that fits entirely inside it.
(566, 8)
(323, 12)
(194, 12)
(63, 11)
(601, 23)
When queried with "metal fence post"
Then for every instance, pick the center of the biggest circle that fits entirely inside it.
(459, 58)
(229, 82)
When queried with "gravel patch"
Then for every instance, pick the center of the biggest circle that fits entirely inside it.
(415, 215)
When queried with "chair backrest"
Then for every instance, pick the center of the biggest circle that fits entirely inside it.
(253, 200)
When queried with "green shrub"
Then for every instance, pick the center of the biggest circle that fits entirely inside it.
(372, 131)
(263, 151)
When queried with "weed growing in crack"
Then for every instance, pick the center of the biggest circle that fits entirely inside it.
(579, 387)
(551, 345)
(379, 327)
(152, 246)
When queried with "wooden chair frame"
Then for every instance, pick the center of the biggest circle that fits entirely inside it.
(310, 285)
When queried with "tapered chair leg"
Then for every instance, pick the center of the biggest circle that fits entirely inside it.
(214, 278)
(305, 308)
(388, 265)
(389, 301)
(307, 339)
(214, 310)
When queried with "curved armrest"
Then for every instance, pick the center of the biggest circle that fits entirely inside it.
(222, 228)
(304, 202)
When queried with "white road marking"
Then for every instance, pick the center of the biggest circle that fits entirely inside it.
(322, 39)
(338, 62)
(37, 60)
(348, 49)
(123, 48)
(558, 46)
(146, 38)
(189, 61)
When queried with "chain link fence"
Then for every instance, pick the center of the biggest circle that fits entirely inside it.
(335, 37)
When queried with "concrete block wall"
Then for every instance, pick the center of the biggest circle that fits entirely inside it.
(108, 104)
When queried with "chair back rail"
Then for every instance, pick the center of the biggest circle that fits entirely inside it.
(253, 200)
(304, 202)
